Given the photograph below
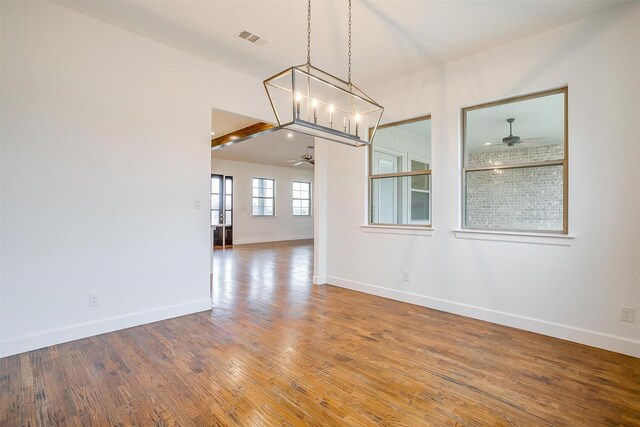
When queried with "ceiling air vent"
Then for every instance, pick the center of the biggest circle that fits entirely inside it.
(253, 38)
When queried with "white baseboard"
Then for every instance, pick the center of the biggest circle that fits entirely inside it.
(267, 240)
(570, 333)
(319, 280)
(88, 329)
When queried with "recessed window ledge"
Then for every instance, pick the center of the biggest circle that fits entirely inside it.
(407, 230)
(516, 237)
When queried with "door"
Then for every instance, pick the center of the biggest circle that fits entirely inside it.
(385, 191)
(222, 210)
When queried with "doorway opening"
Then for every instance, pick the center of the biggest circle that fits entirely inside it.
(222, 211)
(262, 199)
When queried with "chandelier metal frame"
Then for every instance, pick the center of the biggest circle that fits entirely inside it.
(324, 97)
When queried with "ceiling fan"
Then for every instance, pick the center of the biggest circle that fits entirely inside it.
(304, 158)
(512, 139)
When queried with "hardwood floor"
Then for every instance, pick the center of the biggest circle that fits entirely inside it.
(276, 350)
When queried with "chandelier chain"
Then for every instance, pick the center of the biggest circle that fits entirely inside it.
(309, 32)
(349, 80)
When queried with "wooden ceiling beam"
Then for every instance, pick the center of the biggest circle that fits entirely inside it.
(241, 133)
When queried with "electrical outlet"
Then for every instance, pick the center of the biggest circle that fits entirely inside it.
(94, 299)
(407, 276)
(626, 314)
(197, 204)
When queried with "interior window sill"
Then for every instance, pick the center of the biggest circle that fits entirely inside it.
(516, 237)
(410, 230)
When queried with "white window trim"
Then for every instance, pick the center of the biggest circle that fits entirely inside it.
(422, 159)
(310, 214)
(550, 239)
(274, 198)
(406, 230)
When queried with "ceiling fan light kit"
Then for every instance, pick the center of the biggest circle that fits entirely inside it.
(308, 100)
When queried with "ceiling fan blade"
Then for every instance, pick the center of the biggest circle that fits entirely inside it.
(299, 163)
(291, 161)
(534, 139)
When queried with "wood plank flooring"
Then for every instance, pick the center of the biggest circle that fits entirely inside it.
(276, 350)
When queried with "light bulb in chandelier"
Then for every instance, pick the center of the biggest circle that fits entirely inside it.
(298, 100)
(331, 109)
(314, 105)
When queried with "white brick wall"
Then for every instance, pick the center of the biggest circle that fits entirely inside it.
(516, 154)
(517, 199)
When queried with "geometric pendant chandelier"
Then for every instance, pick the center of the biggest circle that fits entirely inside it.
(308, 100)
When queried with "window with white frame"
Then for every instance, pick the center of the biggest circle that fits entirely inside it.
(263, 203)
(515, 164)
(400, 173)
(301, 198)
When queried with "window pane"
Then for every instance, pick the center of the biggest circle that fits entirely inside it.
(215, 217)
(215, 184)
(301, 198)
(419, 206)
(228, 202)
(227, 218)
(536, 133)
(402, 141)
(418, 166)
(215, 201)
(528, 198)
(263, 194)
(420, 182)
(394, 202)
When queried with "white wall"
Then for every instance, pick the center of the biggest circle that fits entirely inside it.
(105, 146)
(284, 226)
(572, 289)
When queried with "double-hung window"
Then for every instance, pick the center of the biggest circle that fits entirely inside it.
(400, 173)
(263, 203)
(515, 164)
(301, 198)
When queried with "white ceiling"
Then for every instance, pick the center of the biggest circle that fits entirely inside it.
(539, 118)
(275, 149)
(223, 123)
(390, 38)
